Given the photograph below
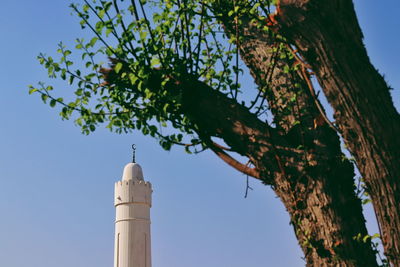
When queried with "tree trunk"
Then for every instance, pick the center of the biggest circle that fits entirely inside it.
(325, 213)
(329, 38)
(316, 186)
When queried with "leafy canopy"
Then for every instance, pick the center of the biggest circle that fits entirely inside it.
(151, 45)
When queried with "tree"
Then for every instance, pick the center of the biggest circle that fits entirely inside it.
(180, 71)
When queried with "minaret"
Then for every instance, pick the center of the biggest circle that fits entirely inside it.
(132, 225)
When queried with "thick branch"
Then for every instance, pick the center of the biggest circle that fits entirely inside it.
(215, 114)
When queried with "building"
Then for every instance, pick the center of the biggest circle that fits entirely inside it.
(132, 225)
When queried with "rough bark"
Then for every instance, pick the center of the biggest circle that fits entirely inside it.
(329, 38)
(311, 183)
(317, 191)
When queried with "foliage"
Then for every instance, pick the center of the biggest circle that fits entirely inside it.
(180, 39)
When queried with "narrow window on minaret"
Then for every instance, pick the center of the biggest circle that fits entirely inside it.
(118, 250)
(145, 249)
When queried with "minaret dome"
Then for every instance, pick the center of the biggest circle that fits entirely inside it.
(132, 171)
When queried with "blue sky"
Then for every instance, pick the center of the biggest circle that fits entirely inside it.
(56, 185)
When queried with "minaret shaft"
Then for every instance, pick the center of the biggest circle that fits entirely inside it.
(132, 224)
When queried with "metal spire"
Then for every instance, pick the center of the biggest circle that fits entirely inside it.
(133, 153)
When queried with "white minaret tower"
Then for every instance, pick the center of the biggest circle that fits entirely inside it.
(132, 225)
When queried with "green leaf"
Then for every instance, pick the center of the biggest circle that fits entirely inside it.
(101, 13)
(71, 79)
(118, 67)
(133, 78)
(108, 31)
(93, 41)
(44, 97)
(143, 35)
(366, 238)
(366, 201)
(286, 69)
(85, 8)
(32, 90)
(376, 236)
(155, 62)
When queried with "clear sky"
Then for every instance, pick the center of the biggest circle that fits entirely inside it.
(56, 185)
